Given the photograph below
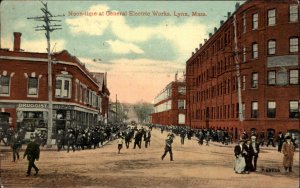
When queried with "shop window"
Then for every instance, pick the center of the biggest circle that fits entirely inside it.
(271, 113)
(271, 77)
(254, 110)
(294, 109)
(32, 86)
(4, 85)
(271, 17)
(294, 77)
(293, 13)
(63, 87)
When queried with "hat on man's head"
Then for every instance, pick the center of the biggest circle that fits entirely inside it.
(287, 137)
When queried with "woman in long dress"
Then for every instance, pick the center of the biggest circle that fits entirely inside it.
(240, 164)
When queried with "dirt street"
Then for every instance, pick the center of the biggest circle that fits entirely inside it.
(193, 166)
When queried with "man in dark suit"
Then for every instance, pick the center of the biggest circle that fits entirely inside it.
(248, 154)
(168, 147)
(33, 153)
(255, 149)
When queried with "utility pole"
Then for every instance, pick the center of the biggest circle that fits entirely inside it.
(47, 18)
(116, 108)
(238, 74)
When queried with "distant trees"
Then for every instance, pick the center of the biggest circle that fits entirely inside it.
(143, 110)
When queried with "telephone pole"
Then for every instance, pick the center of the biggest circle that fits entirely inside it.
(47, 18)
(238, 74)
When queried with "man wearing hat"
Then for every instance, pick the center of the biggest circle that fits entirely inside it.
(168, 147)
(255, 149)
(288, 150)
(33, 153)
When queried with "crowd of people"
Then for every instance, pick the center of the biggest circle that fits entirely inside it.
(246, 152)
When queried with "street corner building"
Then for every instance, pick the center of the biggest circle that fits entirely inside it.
(80, 97)
(169, 104)
(254, 56)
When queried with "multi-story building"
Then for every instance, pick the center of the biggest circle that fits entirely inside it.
(169, 104)
(80, 98)
(266, 53)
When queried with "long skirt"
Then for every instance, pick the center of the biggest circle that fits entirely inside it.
(239, 164)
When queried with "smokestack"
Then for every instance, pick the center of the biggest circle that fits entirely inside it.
(17, 41)
(237, 5)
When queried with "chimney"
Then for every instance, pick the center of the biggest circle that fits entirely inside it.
(17, 41)
(215, 29)
(221, 22)
(205, 40)
(196, 49)
(210, 34)
(228, 14)
(201, 45)
(193, 53)
(237, 5)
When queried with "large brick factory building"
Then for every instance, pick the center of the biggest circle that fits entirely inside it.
(267, 54)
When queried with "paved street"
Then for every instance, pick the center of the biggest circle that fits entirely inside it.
(193, 166)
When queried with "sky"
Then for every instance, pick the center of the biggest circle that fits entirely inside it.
(140, 52)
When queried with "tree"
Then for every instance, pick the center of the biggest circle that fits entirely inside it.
(143, 110)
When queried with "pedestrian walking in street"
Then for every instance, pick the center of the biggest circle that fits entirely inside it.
(239, 163)
(168, 147)
(280, 140)
(182, 136)
(15, 145)
(120, 144)
(262, 138)
(255, 149)
(288, 150)
(248, 154)
(33, 153)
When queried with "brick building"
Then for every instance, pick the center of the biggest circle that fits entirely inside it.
(267, 34)
(169, 104)
(80, 98)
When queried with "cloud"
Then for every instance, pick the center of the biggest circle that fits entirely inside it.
(135, 79)
(184, 36)
(120, 47)
(92, 25)
(38, 45)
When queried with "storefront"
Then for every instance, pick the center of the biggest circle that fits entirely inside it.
(32, 116)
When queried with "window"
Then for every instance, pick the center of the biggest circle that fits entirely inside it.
(271, 17)
(254, 21)
(181, 90)
(4, 85)
(294, 76)
(243, 109)
(271, 113)
(244, 83)
(63, 87)
(254, 110)
(181, 104)
(293, 13)
(294, 109)
(294, 44)
(271, 47)
(254, 83)
(271, 77)
(32, 86)
(244, 23)
(254, 51)
(244, 55)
